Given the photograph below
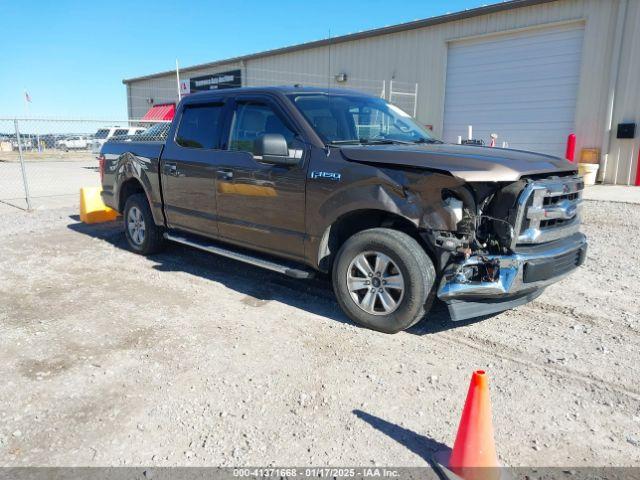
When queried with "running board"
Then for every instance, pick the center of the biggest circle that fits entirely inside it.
(241, 257)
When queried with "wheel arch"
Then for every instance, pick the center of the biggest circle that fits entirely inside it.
(350, 223)
(129, 187)
(136, 175)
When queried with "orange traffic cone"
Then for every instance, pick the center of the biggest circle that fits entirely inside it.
(474, 453)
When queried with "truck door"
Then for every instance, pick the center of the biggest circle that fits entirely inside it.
(261, 205)
(188, 169)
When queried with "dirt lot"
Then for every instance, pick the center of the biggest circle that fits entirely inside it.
(109, 358)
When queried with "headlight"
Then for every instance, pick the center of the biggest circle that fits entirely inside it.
(454, 205)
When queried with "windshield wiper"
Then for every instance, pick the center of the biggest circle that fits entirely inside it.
(428, 140)
(383, 141)
(374, 141)
(345, 142)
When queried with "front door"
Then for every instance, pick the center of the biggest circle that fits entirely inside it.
(189, 167)
(261, 205)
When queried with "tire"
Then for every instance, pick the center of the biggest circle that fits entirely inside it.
(147, 238)
(407, 265)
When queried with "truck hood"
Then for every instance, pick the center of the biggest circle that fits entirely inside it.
(472, 164)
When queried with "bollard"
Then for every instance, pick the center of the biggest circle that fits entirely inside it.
(571, 147)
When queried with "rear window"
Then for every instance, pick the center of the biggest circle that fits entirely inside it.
(102, 133)
(199, 126)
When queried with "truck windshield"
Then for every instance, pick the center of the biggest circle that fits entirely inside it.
(354, 119)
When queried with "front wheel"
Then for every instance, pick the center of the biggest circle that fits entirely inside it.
(143, 235)
(382, 279)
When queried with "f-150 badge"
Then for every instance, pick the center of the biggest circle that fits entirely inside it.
(328, 175)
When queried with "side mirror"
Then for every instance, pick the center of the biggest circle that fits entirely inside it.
(273, 148)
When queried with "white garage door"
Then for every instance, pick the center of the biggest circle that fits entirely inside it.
(522, 86)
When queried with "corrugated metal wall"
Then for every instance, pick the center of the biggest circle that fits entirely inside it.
(420, 56)
(623, 154)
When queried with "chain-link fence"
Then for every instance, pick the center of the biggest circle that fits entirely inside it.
(45, 162)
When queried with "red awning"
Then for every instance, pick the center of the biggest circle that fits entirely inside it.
(160, 112)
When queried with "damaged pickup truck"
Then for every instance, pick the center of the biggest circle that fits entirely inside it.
(305, 180)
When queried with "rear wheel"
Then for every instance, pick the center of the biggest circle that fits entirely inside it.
(382, 279)
(143, 235)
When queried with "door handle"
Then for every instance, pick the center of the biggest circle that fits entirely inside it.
(225, 174)
(170, 169)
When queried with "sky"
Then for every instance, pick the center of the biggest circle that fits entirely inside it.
(71, 56)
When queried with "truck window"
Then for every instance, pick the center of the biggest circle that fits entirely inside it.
(199, 126)
(359, 119)
(120, 132)
(252, 119)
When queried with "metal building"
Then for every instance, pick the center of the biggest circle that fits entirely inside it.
(531, 71)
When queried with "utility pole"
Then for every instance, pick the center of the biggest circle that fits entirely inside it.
(178, 80)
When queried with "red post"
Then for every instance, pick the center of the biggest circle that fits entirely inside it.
(571, 147)
(638, 170)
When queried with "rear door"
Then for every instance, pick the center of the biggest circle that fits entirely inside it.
(189, 167)
(261, 205)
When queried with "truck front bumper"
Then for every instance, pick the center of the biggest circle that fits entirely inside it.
(482, 285)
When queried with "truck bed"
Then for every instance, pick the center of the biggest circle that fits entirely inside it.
(151, 150)
(125, 159)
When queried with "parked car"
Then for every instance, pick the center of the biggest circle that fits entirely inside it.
(305, 180)
(104, 134)
(157, 131)
(73, 143)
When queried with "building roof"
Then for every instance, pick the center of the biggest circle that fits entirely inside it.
(401, 27)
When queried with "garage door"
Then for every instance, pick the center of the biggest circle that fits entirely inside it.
(522, 86)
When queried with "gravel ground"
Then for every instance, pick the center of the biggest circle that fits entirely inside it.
(109, 358)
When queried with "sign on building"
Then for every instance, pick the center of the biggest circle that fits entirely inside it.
(185, 87)
(230, 79)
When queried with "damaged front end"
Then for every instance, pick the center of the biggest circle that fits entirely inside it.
(506, 242)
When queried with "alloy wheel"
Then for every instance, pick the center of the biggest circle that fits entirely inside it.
(135, 226)
(375, 283)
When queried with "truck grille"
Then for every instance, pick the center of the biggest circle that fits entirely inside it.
(548, 209)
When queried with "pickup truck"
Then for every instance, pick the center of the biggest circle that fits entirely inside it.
(306, 180)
